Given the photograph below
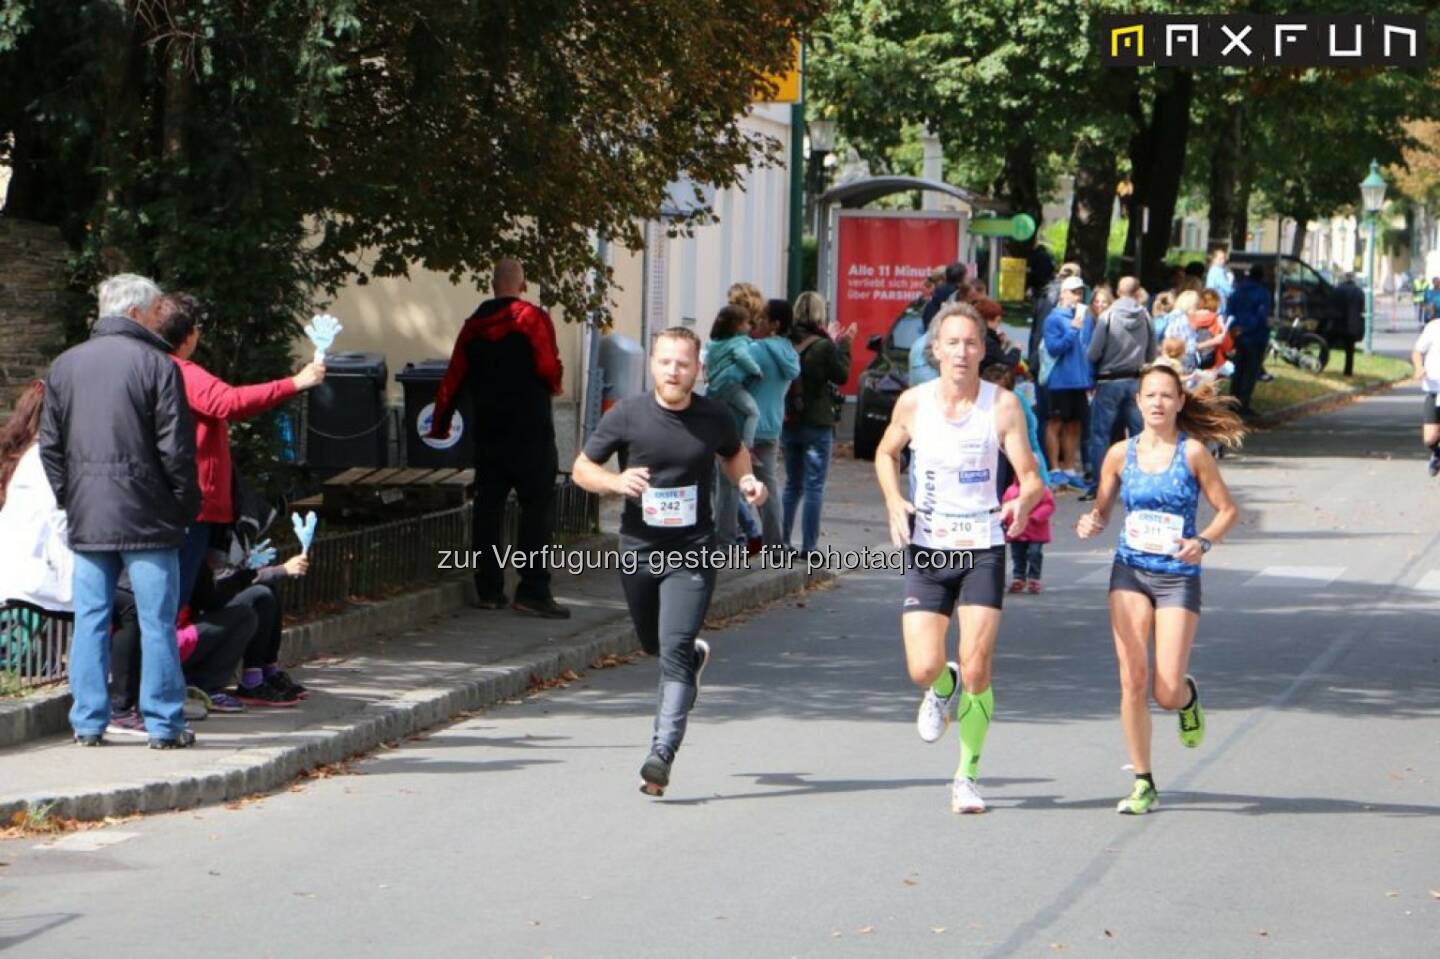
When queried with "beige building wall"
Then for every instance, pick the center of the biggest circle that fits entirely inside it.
(418, 317)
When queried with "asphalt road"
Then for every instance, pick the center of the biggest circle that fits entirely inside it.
(806, 818)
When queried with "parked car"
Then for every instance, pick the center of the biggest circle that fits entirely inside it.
(884, 379)
(1299, 291)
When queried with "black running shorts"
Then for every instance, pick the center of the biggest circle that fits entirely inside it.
(1164, 590)
(1431, 416)
(938, 580)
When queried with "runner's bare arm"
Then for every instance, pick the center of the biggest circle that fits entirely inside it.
(737, 470)
(887, 467)
(594, 478)
(1015, 441)
(1212, 484)
(1093, 522)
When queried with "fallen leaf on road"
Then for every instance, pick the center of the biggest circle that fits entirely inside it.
(835, 934)
(1391, 894)
(214, 872)
(864, 930)
(534, 922)
(1057, 946)
(1109, 934)
(911, 882)
(937, 929)
(1262, 933)
(1434, 893)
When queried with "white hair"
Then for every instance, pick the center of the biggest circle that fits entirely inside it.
(124, 292)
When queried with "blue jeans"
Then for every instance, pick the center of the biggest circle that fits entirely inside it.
(155, 579)
(807, 462)
(1114, 399)
(192, 557)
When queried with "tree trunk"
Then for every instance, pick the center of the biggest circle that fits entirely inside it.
(1297, 242)
(1088, 240)
(1241, 226)
(1224, 167)
(1157, 161)
(1021, 183)
(179, 87)
(1170, 121)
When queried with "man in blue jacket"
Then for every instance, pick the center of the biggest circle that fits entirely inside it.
(1250, 306)
(1067, 339)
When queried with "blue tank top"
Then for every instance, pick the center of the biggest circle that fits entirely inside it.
(1174, 492)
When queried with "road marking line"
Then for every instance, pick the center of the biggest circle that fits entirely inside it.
(1430, 582)
(1101, 575)
(1320, 575)
(88, 841)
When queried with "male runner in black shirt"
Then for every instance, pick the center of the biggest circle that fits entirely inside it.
(667, 441)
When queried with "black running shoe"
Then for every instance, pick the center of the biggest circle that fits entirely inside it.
(266, 695)
(545, 608)
(89, 739)
(655, 773)
(281, 680)
(185, 738)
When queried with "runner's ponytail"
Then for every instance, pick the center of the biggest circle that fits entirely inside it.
(1206, 416)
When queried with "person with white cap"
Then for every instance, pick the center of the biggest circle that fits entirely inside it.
(1066, 339)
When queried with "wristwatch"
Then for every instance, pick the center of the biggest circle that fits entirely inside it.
(1205, 544)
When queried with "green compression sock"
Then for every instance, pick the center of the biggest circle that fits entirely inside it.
(975, 712)
(945, 685)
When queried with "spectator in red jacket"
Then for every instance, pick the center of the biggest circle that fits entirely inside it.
(506, 361)
(214, 404)
(1027, 550)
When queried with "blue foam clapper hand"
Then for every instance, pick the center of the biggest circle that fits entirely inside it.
(304, 529)
(262, 554)
(322, 330)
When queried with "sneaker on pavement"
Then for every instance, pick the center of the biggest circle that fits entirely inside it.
(1018, 586)
(1192, 720)
(282, 681)
(1141, 800)
(545, 608)
(965, 796)
(266, 695)
(127, 722)
(1033, 586)
(1076, 481)
(702, 659)
(185, 738)
(223, 702)
(935, 713)
(655, 774)
(89, 739)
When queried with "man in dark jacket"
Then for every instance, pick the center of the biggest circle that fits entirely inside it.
(118, 444)
(506, 361)
(1250, 306)
(1124, 341)
(1351, 326)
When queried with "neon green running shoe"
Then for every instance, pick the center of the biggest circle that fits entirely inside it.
(1141, 800)
(1192, 720)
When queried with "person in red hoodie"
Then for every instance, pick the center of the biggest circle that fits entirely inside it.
(214, 404)
(1027, 549)
(507, 362)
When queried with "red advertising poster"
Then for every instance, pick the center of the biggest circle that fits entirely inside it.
(880, 266)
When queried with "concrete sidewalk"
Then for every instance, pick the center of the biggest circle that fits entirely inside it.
(396, 686)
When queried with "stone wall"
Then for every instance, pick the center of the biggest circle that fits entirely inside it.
(32, 291)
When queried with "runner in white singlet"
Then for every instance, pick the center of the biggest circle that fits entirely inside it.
(954, 532)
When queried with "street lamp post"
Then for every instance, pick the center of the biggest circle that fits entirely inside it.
(821, 134)
(1372, 196)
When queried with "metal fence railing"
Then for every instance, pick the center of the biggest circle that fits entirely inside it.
(368, 563)
(34, 644)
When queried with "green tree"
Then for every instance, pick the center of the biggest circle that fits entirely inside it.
(261, 154)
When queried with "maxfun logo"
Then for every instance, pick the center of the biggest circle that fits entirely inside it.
(1252, 41)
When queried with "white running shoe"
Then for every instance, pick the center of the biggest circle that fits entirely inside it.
(935, 713)
(965, 796)
(702, 659)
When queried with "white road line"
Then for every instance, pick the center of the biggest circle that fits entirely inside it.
(1320, 575)
(1430, 582)
(1101, 575)
(88, 841)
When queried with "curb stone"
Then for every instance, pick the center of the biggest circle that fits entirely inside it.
(262, 769)
(48, 714)
(1320, 404)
